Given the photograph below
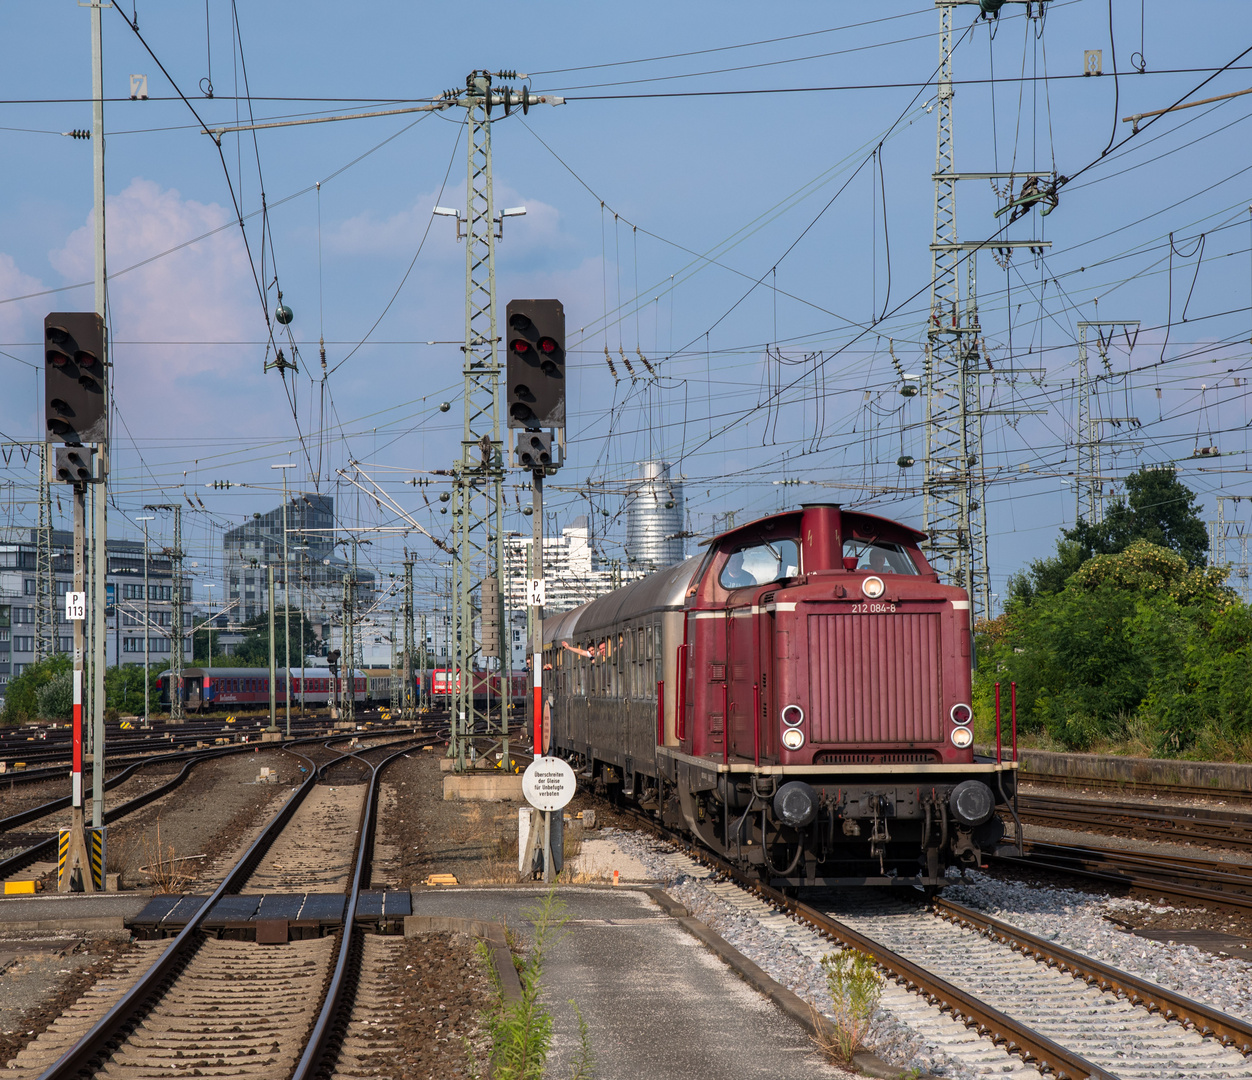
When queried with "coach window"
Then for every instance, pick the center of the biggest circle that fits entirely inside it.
(760, 564)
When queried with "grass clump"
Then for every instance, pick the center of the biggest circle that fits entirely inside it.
(855, 986)
(520, 1031)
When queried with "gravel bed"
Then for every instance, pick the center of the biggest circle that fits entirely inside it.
(1078, 920)
(40, 983)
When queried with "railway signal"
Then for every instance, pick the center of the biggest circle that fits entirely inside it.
(75, 403)
(535, 364)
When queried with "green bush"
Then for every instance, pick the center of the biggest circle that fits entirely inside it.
(56, 697)
(1137, 648)
(21, 696)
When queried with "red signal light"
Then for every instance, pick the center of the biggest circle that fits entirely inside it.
(520, 347)
(58, 358)
(547, 345)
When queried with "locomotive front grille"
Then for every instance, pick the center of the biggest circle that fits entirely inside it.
(874, 678)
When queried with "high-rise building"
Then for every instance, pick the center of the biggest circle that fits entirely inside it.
(317, 569)
(572, 571)
(654, 519)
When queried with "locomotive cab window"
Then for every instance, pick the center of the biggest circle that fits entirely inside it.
(877, 556)
(760, 564)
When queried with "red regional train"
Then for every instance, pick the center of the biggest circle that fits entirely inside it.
(796, 697)
(486, 687)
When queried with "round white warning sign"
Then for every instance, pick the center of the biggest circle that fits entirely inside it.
(548, 783)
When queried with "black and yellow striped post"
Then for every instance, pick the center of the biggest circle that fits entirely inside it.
(97, 841)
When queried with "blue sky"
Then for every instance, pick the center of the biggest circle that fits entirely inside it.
(739, 192)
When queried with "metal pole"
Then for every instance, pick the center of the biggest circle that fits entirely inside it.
(287, 600)
(269, 574)
(100, 554)
(77, 857)
(147, 722)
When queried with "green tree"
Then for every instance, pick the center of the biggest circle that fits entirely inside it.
(123, 689)
(1137, 644)
(1158, 508)
(21, 697)
(55, 699)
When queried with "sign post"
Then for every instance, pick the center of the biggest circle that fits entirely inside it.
(548, 784)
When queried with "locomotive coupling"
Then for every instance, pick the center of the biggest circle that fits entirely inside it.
(796, 804)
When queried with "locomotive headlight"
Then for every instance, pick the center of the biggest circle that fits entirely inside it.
(962, 737)
(793, 716)
(962, 714)
(873, 587)
(793, 738)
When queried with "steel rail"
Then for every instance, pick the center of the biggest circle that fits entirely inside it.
(13, 821)
(1135, 787)
(1104, 870)
(1017, 1038)
(1235, 832)
(132, 1006)
(1204, 1019)
(19, 861)
(338, 991)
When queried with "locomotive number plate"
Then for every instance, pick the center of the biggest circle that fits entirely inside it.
(872, 609)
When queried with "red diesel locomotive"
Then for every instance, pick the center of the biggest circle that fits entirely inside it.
(796, 697)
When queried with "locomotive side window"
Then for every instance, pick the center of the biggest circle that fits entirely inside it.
(878, 556)
(760, 564)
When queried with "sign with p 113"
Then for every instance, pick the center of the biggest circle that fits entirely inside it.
(548, 783)
(75, 606)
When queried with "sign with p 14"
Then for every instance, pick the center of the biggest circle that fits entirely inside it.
(75, 606)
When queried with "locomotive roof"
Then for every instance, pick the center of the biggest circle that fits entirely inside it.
(851, 520)
(663, 591)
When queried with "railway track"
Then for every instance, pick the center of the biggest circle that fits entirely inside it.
(1177, 824)
(995, 997)
(195, 1005)
(1209, 882)
(1135, 787)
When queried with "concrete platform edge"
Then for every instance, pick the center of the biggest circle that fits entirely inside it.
(790, 1003)
(490, 932)
(98, 922)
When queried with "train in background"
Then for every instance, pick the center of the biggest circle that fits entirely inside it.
(796, 697)
(235, 688)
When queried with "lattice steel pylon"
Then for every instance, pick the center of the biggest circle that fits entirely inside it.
(45, 617)
(176, 613)
(954, 504)
(1089, 478)
(407, 705)
(478, 474)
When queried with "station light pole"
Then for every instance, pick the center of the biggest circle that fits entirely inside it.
(147, 629)
(208, 585)
(287, 601)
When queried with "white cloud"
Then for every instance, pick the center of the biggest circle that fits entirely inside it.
(171, 318)
(399, 234)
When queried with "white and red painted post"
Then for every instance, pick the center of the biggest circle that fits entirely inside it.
(74, 859)
(534, 600)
